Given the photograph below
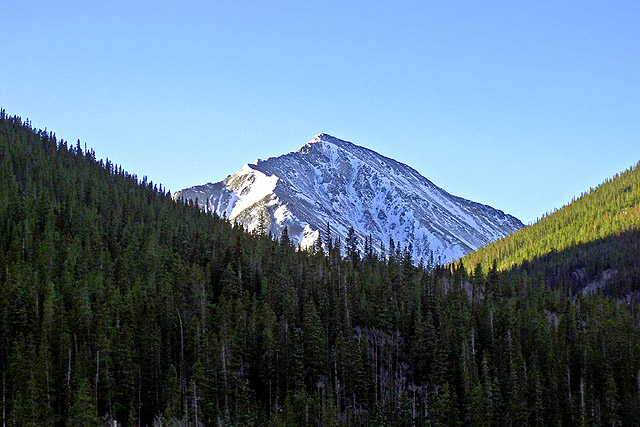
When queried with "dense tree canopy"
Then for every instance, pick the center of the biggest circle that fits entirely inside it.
(595, 240)
(118, 303)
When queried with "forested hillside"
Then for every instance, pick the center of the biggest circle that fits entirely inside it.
(592, 244)
(117, 303)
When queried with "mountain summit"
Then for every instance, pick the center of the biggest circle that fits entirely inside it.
(335, 182)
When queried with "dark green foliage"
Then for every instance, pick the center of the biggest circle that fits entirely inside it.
(595, 240)
(118, 303)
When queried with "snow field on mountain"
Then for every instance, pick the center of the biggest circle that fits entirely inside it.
(332, 181)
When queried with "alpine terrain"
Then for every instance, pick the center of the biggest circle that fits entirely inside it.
(335, 184)
(121, 306)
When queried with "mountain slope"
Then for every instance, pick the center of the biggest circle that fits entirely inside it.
(331, 181)
(121, 306)
(592, 243)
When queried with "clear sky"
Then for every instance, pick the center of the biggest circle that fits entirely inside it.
(521, 105)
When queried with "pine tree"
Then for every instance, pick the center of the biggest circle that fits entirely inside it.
(352, 246)
(83, 410)
(315, 347)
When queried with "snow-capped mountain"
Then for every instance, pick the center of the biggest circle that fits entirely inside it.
(335, 182)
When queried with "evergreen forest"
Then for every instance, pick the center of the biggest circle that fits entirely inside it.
(119, 304)
(591, 245)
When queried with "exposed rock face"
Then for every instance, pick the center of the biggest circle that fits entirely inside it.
(333, 181)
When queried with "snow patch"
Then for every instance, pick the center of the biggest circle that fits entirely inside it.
(251, 190)
(308, 237)
(281, 214)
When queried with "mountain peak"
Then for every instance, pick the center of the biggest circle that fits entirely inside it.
(335, 182)
(325, 137)
(319, 137)
(318, 144)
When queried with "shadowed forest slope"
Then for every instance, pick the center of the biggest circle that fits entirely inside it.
(592, 242)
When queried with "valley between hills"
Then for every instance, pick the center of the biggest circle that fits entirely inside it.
(120, 304)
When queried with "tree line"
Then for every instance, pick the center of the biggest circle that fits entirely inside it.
(119, 303)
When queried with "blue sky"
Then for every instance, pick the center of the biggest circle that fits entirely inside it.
(520, 105)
